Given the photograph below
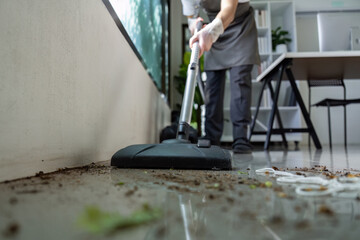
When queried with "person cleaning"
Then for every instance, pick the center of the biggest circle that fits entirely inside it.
(229, 43)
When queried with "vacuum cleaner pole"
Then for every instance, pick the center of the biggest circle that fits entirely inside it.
(188, 99)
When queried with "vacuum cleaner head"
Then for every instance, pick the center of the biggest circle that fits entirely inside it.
(172, 155)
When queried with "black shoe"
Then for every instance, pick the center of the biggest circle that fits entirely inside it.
(242, 149)
(212, 142)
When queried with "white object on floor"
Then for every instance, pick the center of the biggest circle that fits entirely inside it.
(344, 187)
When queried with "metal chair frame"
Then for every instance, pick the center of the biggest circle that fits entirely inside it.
(330, 102)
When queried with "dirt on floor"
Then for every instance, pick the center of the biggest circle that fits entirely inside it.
(251, 195)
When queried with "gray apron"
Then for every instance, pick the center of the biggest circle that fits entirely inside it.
(238, 45)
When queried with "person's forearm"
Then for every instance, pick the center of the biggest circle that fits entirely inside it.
(227, 12)
(211, 32)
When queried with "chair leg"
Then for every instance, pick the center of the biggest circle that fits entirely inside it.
(329, 123)
(345, 129)
(309, 110)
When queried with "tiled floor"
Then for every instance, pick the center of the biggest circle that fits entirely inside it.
(237, 204)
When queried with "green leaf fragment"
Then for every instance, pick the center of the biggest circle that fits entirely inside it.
(97, 221)
(120, 183)
(268, 184)
(252, 186)
(240, 172)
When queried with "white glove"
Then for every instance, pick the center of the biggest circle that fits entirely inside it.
(214, 29)
(192, 25)
(208, 35)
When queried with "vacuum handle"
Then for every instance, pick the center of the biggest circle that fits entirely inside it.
(199, 81)
(199, 25)
(188, 98)
(194, 60)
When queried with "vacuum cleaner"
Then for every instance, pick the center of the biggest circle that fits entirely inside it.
(178, 153)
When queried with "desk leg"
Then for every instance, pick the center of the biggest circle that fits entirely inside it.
(303, 108)
(253, 122)
(274, 108)
(278, 116)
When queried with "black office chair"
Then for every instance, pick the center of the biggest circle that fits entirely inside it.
(330, 102)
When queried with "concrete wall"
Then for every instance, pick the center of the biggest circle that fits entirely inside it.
(72, 91)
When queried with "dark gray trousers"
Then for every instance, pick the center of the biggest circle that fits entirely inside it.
(240, 103)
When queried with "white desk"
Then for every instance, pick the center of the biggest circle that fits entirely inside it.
(320, 65)
(304, 66)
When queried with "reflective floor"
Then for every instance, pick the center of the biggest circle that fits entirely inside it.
(237, 204)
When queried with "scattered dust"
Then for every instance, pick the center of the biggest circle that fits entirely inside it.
(321, 170)
(160, 232)
(33, 191)
(230, 200)
(303, 224)
(11, 230)
(13, 200)
(276, 220)
(216, 185)
(131, 191)
(323, 209)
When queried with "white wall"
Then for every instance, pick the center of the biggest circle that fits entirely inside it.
(72, 91)
(307, 32)
(326, 5)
